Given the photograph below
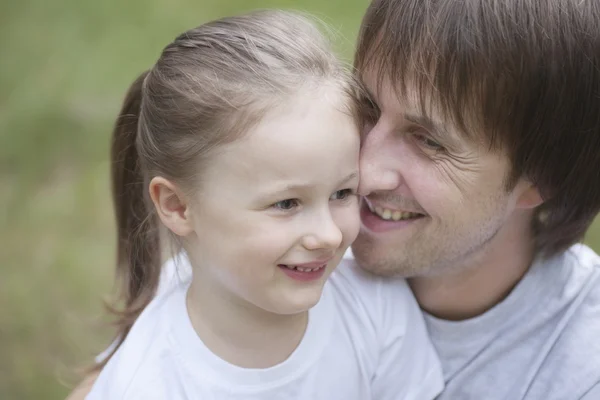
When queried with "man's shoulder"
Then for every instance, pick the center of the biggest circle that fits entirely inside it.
(541, 342)
(579, 288)
(581, 256)
(573, 362)
(582, 316)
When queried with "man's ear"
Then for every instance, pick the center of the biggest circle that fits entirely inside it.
(171, 206)
(529, 195)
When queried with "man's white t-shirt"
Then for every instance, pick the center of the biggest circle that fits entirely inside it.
(365, 339)
(541, 343)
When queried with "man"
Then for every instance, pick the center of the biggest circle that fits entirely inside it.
(480, 168)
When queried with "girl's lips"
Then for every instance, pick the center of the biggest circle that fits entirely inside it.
(313, 264)
(312, 271)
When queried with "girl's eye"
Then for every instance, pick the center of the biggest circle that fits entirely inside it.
(342, 194)
(287, 204)
(429, 143)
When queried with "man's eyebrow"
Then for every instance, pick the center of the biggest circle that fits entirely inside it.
(425, 122)
(436, 129)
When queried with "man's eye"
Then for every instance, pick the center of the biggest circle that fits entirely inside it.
(342, 194)
(369, 109)
(287, 204)
(429, 143)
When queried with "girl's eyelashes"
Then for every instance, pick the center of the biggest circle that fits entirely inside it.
(287, 204)
(342, 194)
(291, 204)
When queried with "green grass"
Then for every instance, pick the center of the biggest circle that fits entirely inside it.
(64, 68)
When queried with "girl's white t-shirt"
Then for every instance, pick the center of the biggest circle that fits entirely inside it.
(365, 339)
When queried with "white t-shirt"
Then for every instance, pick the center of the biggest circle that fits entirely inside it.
(365, 339)
(541, 342)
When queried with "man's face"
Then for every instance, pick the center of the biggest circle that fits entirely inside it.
(435, 200)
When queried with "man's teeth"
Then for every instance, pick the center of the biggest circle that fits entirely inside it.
(303, 269)
(392, 215)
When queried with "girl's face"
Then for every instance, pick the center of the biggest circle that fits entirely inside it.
(277, 209)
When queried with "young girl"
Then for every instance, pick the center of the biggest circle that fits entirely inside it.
(244, 134)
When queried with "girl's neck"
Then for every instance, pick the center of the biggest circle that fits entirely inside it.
(239, 332)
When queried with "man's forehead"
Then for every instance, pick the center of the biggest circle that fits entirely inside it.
(401, 100)
(383, 89)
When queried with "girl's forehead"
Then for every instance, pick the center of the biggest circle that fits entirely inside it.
(306, 142)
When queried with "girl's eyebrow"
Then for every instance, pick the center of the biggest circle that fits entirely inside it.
(350, 177)
(286, 187)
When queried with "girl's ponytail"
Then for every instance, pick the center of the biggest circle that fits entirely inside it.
(138, 250)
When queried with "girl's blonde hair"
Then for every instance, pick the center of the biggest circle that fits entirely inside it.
(207, 88)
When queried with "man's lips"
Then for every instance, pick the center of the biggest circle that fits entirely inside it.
(383, 220)
(391, 213)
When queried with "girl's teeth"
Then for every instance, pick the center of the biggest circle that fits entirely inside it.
(302, 269)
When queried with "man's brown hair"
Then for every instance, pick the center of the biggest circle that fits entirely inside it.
(524, 76)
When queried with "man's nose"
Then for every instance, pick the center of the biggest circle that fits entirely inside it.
(376, 164)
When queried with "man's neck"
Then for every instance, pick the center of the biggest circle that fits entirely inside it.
(484, 280)
(239, 332)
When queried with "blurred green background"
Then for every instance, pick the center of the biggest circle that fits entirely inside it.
(64, 67)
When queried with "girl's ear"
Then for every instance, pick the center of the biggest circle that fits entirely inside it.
(171, 206)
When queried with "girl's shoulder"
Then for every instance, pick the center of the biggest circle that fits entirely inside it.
(144, 356)
(365, 286)
(371, 300)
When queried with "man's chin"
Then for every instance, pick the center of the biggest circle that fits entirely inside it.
(384, 259)
(373, 258)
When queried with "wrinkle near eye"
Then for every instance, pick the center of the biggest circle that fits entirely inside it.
(461, 170)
